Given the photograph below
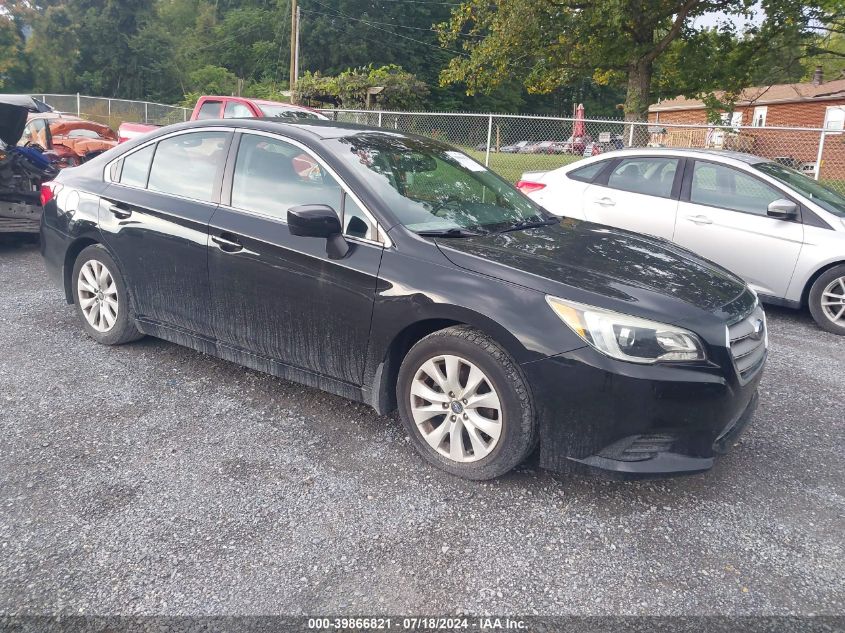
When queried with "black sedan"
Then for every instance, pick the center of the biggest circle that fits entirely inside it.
(399, 272)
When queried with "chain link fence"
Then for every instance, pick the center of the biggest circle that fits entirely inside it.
(113, 112)
(514, 144)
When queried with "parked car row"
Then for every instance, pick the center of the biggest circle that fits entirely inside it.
(570, 146)
(489, 323)
(783, 232)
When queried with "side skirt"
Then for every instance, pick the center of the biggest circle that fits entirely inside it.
(250, 360)
(778, 301)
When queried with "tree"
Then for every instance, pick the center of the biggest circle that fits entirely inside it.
(400, 89)
(552, 44)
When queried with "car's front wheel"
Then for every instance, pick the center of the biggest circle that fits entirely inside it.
(827, 300)
(465, 404)
(101, 299)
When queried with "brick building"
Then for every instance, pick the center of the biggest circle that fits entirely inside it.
(816, 104)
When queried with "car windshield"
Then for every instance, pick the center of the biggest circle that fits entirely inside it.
(430, 187)
(822, 195)
(284, 112)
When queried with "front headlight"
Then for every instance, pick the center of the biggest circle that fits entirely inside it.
(627, 337)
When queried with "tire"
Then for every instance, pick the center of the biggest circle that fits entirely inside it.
(826, 294)
(493, 440)
(97, 283)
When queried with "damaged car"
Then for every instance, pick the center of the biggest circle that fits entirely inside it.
(22, 169)
(401, 273)
(67, 141)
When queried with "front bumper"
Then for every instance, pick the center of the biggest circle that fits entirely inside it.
(637, 420)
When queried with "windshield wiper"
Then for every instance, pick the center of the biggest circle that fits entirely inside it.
(530, 224)
(453, 232)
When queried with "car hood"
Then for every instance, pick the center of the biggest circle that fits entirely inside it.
(61, 127)
(13, 112)
(12, 122)
(579, 260)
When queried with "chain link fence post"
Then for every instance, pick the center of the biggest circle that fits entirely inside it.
(819, 156)
(489, 140)
(78, 106)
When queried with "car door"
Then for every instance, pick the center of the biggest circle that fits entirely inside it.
(722, 215)
(281, 296)
(639, 193)
(154, 218)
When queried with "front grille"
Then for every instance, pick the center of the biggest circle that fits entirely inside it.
(637, 448)
(748, 340)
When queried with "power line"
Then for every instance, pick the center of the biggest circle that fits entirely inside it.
(398, 26)
(448, 4)
(373, 25)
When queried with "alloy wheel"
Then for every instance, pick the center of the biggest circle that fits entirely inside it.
(97, 295)
(833, 301)
(456, 408)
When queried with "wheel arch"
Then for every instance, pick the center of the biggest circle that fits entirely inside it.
(383, 384)
(805, 294)
(72, 252)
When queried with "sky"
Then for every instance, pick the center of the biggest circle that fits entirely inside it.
(712, 19)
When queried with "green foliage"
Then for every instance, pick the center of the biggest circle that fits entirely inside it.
(401, 90)
(212, 80)
(649, 48)
(539, 56)
(10, 48)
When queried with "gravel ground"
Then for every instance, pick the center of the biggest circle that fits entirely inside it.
(150, 479)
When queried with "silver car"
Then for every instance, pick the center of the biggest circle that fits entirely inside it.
(783, 232)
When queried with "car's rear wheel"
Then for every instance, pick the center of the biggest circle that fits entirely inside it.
(101, 300)
(465, 404)
(827, 300)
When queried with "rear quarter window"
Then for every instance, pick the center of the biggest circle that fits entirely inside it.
(136, 167)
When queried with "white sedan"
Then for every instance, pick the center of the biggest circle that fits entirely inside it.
(783, 232)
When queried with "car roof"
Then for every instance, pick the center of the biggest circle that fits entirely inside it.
(309, 128)
(742, 157)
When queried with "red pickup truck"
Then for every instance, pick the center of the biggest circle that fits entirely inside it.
(212, 107)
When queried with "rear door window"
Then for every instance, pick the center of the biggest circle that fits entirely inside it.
(650, 176)
(588, 172)
(189, 165)
(209, 110)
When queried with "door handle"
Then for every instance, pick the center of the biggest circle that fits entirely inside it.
(227, 242)
(605, 202)
(699, 219)
(119, 212)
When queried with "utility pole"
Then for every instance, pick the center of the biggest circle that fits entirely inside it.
(294, 36)
(296, 52)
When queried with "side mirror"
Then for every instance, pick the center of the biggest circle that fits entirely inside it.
(782, 209)
(319, 220)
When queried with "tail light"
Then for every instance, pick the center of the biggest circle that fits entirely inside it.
(48, 192)
(526, 186)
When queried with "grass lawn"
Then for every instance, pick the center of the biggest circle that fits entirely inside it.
(511, 166)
